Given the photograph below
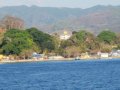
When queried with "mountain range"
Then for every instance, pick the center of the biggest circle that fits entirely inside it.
(52, 19)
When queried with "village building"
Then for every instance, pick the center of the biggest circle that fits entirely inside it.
(115, 53)
(65, 35)
(103, 55)
(37, 56)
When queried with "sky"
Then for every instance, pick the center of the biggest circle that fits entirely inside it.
(59, 3)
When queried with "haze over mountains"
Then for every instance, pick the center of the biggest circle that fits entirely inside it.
(51, 19)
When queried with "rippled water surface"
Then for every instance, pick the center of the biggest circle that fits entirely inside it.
(61, 75)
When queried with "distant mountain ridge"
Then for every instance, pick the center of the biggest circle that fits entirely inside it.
(51, 19)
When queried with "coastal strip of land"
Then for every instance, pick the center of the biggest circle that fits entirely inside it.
(46, 60)
(37, 60)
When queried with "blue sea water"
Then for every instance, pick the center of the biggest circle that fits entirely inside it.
(61, 75)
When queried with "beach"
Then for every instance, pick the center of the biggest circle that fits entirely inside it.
(64, 59)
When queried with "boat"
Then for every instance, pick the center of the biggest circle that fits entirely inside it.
(77, 58)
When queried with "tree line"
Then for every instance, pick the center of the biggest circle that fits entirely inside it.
(23, 42)
(84, 41)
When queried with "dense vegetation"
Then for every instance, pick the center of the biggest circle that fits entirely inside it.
(23, 43)
(43, 40)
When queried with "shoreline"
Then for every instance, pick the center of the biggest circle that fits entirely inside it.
(31, 60)
(48, 60)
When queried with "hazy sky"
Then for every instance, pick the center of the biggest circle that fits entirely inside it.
(59, 3)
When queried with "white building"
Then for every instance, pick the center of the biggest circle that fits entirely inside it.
(103, 55)
(115, 53)
(65, 35)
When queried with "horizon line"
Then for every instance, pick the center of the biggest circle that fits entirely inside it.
(58, 6)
